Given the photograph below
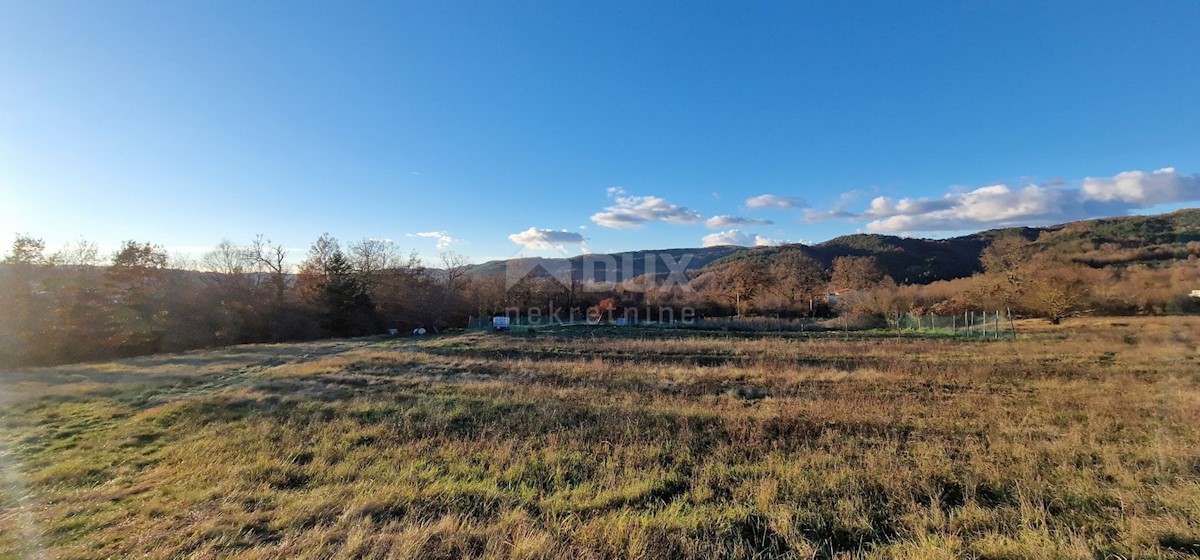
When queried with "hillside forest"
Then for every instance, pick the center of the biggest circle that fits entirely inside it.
(77, 304)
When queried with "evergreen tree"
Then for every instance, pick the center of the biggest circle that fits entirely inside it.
(347, 309)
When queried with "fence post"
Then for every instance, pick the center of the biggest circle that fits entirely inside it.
(997, 325)
(1011, 324)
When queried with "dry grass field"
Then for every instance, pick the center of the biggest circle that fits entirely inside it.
(1074, 441)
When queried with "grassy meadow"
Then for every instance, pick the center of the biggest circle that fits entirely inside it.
(1074, 441)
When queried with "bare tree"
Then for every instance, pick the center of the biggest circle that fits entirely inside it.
(271, 259)
(454, 269)
(370, 256)
(452, 279)
(227, 259)
(80, 253)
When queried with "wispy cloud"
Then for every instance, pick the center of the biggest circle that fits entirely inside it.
(775, 201)
(718, 222)
(547, 239)
(630, 211)
(444, 240)
(839, 210)
(738, 237)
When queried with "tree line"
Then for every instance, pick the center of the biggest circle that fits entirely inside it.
(76, 305)
(1017, 275)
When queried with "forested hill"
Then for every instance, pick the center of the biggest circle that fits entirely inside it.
(1103, 242)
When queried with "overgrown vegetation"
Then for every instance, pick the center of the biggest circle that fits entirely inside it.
(1075, 441)
(74, 305)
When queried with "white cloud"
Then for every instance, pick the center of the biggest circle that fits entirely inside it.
(760, 241)
(738, 237)
(774, 201)
(1002, 205)
(883, 207)
(546, 239)
(718, 222)
(1143, 189)
(993, 205)
(631, 211)
(443, 239)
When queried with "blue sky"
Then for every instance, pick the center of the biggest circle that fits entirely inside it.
(537, 127)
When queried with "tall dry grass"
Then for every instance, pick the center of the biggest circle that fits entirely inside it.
(1080, 441)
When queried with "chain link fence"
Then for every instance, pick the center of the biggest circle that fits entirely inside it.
(977, 324)
(982, 324)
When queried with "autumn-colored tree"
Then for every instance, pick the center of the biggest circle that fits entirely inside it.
(1055, 291)
(1035, 283)
(742, 280)
(1006, 262)
(602, 310)
(315, 268)
(797, 278)
(856, 273)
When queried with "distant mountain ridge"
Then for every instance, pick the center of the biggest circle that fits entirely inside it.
(1119, 241)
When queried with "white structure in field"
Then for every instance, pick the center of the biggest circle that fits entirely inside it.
(1195, 294)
